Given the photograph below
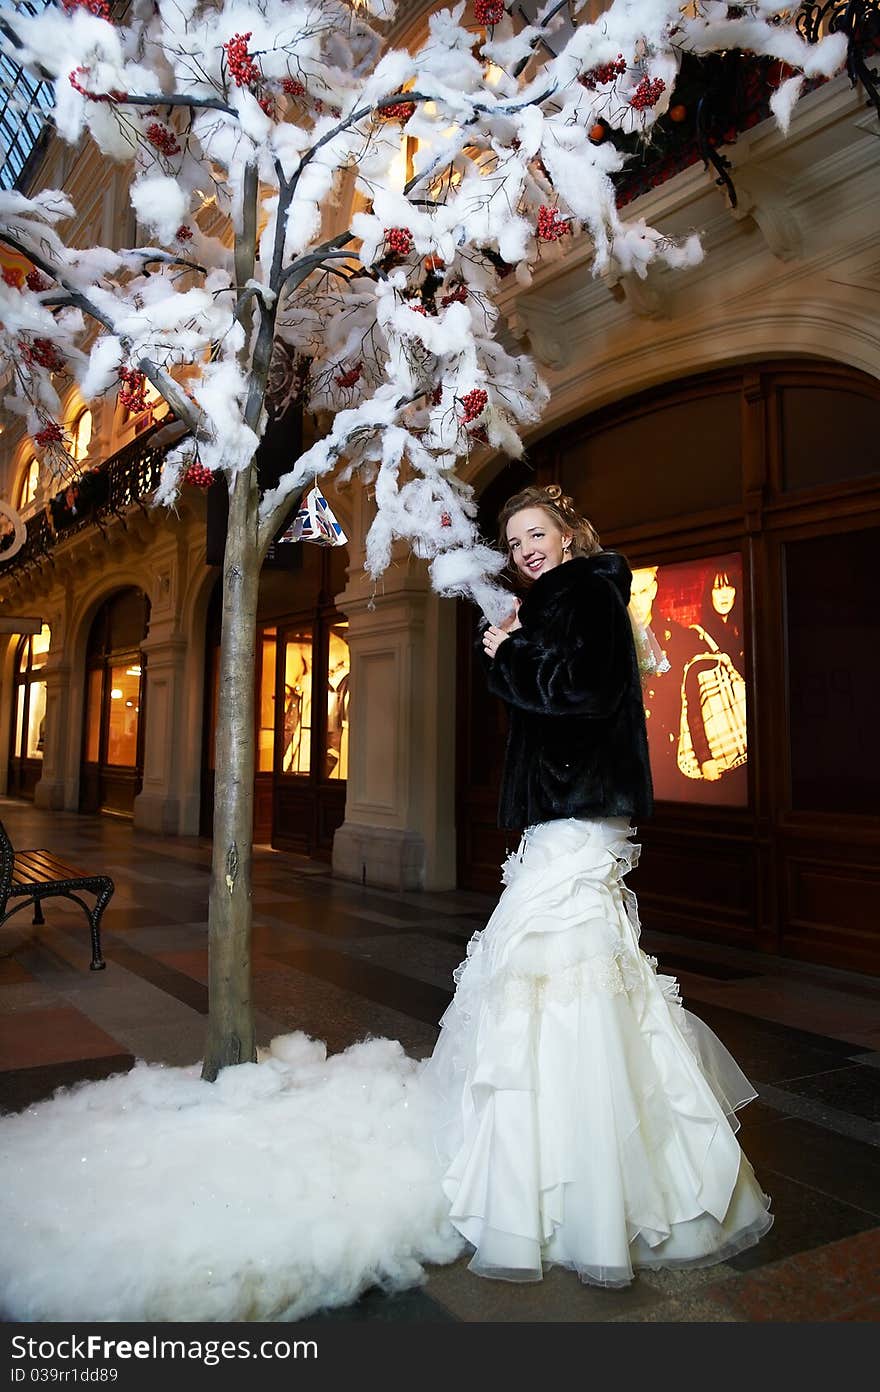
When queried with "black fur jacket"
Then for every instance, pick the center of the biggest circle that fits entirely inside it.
(577, 745)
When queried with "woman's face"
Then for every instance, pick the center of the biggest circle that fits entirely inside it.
(536, 542)
(723, 596)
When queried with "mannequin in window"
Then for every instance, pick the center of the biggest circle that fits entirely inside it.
(297, 713)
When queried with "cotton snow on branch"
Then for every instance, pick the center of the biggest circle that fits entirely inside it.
(461, 162)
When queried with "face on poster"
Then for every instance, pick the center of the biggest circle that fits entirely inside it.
(696, 710)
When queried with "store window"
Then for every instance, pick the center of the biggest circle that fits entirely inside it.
(114, 680)
(30, 484)
(30, 696)
(695, 700)
(114, 698)
(81, 435)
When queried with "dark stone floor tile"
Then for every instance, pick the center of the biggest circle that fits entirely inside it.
(854, 1089)
(758, 1114)
(352, 901)
(416, 998)
(335, 923)
(119, 917)
(835, 1165)
(821, 1114)
(769, 1052)
(674, 964)
(804, 1218)
(450, 935)
(296, 1001)
(43, 962)
(402, 1307)
(20, 1087)
(173, 983)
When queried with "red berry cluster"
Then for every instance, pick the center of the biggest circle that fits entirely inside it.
(198, 475)
(291, 88)
(418, 308)
(399, 111)
(35, 281)
(348, 379)
(183, 233)
(51, 434)
(133, 390)
(474, 404)
(489, 11)
(266, 104)
(445, 519)
(457, 295)
(550, 225)
(164, 139)
(480, 435)
(604, 72)
(101, 8)
(43, 352)
(437, 395)
(13, 276)
(399, 240)
(648, 93)
(74, 80)
(242, 68)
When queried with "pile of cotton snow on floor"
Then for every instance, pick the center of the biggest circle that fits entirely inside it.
(287, 1185)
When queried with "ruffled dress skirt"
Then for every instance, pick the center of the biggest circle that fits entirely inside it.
(584, 1118)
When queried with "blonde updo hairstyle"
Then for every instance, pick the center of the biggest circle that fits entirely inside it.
(560, 509)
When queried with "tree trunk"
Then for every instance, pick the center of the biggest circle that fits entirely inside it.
(231, 1036)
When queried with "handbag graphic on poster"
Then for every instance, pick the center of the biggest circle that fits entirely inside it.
(721, 711)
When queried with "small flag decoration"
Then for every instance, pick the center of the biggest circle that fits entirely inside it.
(315, 521)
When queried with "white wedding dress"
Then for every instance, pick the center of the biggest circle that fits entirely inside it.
(584, 1118)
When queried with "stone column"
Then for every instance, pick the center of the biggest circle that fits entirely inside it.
(50, 791)
(399, 828)
(158, 806)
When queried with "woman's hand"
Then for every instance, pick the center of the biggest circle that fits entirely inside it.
(493, 637)
(512, 623)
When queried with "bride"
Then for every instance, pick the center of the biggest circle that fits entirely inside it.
(583, 1117)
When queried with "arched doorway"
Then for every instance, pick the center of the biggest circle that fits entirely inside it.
(747, 502)
(112, 757)
(28, 714)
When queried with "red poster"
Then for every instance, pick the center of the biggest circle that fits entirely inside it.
(696, 707)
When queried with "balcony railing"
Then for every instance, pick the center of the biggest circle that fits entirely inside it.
(102, 493)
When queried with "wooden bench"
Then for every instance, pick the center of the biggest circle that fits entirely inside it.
(33, 876)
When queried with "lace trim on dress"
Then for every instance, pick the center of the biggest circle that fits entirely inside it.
(610, 976)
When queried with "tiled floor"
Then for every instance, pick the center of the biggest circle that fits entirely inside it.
(341, 962)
